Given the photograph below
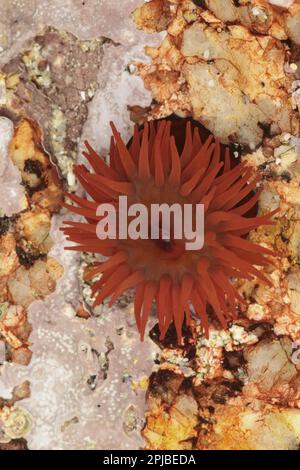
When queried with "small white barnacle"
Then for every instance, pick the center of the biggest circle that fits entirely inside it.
(17, 422)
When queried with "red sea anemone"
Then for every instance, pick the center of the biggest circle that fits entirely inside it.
(152, 170)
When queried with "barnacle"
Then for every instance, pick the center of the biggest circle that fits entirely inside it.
(16, 422)
(153, 169)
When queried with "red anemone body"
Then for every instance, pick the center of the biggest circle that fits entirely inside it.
(181, 283)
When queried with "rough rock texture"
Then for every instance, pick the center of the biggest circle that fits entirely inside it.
(99, 379)
(235, 67)
(235, 77)
(26, 273)
(20, 21)
(237, 391)
(52, 82)
(11, 192)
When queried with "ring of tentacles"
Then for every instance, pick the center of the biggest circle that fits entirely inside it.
(179, 284)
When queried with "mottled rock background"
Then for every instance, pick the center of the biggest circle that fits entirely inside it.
(76, 378)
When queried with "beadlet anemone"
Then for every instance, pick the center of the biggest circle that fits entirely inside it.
(152, 168)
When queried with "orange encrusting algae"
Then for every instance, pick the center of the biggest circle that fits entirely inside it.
(150, 170)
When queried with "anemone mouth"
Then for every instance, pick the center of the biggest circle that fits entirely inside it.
(157, 168)
(170, 249)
